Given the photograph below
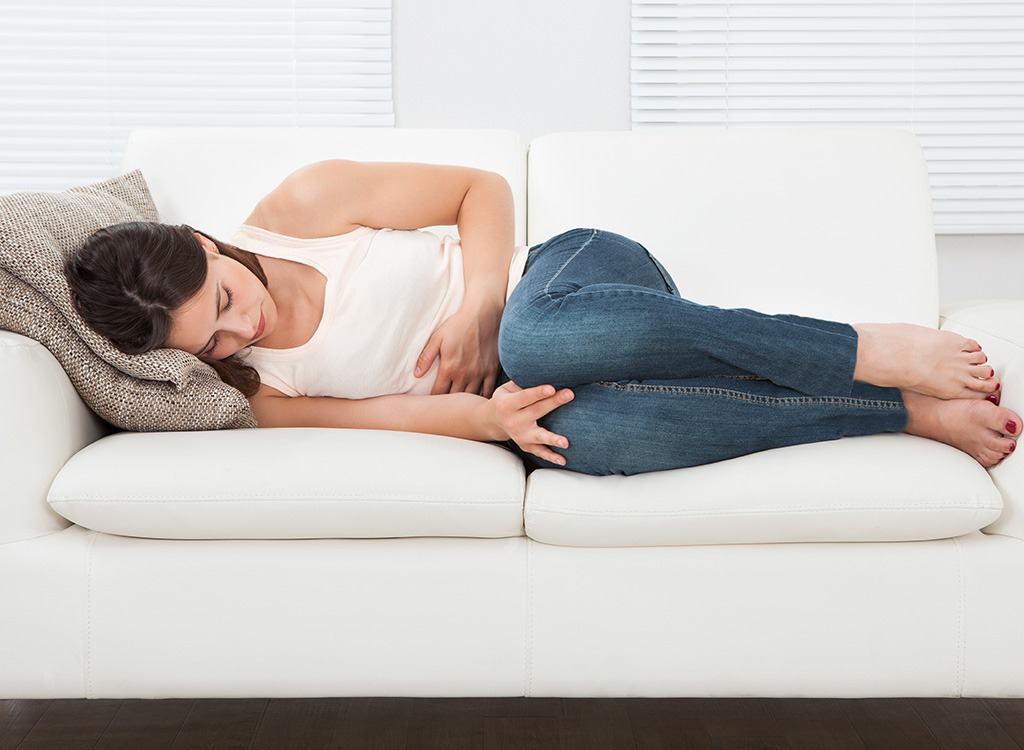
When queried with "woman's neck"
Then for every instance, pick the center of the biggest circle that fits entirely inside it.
(298, 291)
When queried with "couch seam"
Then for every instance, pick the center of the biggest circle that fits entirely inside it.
(733, 511)
(87, 646)
(961, 616)
(39, 536)
(528, 688)
(976, 329)
(495, 501)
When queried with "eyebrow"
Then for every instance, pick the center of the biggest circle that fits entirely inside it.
(207, 345)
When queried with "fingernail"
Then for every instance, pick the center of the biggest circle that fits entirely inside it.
(1011, 427)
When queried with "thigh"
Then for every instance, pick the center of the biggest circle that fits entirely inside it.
(581, 257)
(630, 427)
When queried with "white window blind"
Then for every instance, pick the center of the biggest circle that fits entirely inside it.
(951, 72)
(77, 77)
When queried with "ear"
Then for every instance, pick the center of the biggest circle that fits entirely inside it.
(207, 244)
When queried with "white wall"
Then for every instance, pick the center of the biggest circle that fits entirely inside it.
(535, 66)
(538, 66)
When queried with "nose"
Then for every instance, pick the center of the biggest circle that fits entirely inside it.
(240, 326)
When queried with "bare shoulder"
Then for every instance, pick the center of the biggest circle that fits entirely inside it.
(312, 201)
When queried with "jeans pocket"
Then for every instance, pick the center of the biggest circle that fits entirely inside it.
(670, 284)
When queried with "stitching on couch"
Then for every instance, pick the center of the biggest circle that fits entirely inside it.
(276, 498)
(528, 688)
(975, 329)
(734, 511)
(40, 536)
(87, 650)
(961, 596)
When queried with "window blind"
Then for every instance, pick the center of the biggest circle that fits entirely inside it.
(950, 72)
(78, 77)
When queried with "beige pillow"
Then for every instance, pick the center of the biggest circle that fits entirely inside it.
(161, 390)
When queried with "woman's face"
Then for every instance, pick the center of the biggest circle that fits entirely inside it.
(233, 310)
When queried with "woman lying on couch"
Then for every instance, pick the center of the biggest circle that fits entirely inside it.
(325, 310)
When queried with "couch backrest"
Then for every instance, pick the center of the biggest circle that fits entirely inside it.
(833, 223)
(212, 177)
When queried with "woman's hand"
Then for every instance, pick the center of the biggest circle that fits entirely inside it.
(467, 343)
(517, 411)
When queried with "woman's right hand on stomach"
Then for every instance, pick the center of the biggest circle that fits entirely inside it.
(517, 410)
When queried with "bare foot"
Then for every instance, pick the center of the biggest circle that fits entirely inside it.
(979, 428)
(942, 364)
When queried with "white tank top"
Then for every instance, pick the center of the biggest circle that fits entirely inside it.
(387, 292)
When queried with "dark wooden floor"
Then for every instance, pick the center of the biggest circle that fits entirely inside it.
(513, 723)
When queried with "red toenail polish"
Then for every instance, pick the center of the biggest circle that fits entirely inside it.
(1011, 427)
(993, 398)
(1013, 447)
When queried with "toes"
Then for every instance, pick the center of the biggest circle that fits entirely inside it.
(989, 457)
(1004, 421)
(977, 358)
(970, 345)
(978, 388)
(988, 454)
(988, 385)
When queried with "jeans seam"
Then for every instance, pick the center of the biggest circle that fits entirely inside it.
(547, 287)
(752, 398)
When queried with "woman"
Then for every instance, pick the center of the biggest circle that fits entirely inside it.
(352, 322)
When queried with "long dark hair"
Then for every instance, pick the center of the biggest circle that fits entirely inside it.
(128, 278)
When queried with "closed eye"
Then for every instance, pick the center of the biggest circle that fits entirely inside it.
(231, 301)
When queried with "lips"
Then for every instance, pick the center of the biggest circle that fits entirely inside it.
(260, 327)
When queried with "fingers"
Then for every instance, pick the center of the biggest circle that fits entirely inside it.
(426, 359)
(538, 442)
(523, 407)
(542, 400)
(488, 386)
(441, 385)
(454, 380)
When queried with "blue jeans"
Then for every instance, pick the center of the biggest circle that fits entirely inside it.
(664, 383)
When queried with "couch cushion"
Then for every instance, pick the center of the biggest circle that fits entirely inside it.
(879, 488)
(292, 483)
(160, 390)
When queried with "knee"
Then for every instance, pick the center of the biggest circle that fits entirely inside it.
(522, 357)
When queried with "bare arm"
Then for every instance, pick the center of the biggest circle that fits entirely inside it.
(333, 197)
(511, 413)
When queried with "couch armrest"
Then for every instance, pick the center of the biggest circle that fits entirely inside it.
(43, 423)
(998, 325)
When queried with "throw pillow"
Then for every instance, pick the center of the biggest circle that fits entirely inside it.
(161, 390)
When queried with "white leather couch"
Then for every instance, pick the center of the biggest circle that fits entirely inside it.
(367, 563)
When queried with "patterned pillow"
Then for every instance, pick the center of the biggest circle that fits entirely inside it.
(165, 389)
